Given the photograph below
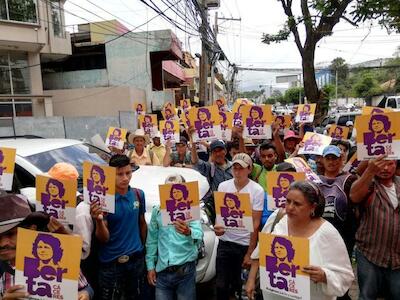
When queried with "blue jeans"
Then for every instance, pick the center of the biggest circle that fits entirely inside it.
(179, 285)
(375, 281)
(121, 281)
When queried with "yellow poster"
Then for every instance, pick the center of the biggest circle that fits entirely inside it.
(7, 163)
(284, 122)
(305, 113)
(369, 110)
(99, 185)
(169, 131)
(234, 211)
(301, 166)
(338, 132)
(278, 187)
(314, 143)
(116, 137)
(185, 104)
(149, 124)
(221, 103)
(237, 109)
(225, 122)
(257, 121)
(352, 164)
(179, 201)
(48, 264)
(282, 259)
(206, 122)
(169, 111)
(378, 134)
(139, 108)
(57, 198)
(184, 117)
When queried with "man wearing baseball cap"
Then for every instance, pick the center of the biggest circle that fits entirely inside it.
(180, 158)
(235, 247)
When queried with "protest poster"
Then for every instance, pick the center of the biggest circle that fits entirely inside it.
(369, 110)
(179, 201)
(284, 122)
(352, 164)
(338, 132)
(206, 122)
(169, 131)
(234, 211)
(305, 113)
(116, 137)
(278, 187)
(139, 108)
(149, 124)
(378, 134)
(282, 259)
(185, 104)
(314, 143)
(99, 185)
(48, 264)
(57, 198)
(7, 164)
(257, 121)
(237, 110)
(221, 103)
(169, 111)
(184, 118)
(225, 123)
(302, 166)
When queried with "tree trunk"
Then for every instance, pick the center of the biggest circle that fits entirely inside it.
(310, 84)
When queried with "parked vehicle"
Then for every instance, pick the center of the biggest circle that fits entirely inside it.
(340, 118)
(392, 102)
(36, 156)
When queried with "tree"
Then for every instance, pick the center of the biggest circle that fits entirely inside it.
(293, 95)
(276, 96)
(366, 87)
(340, 66)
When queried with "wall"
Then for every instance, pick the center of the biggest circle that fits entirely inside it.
(75, 79)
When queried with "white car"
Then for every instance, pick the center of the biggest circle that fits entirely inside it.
(36, 156)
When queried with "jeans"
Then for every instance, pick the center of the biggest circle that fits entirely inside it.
(229, 267)
(121, 281)
(179, 285)
(375, 281)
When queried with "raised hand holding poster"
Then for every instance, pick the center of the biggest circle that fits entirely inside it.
(7, 164)
(99, 185)
(234, 211)
(185, 104)
(149, 124)
(283, 122)
(116, 137)
(57, 198)
(221, 103)
(278, 187)
(378, 134)
(169, 131)
(169, 111)
(225, 123)
(257, 121)
(48, 264)
(339, 132)
(237, 109)
(206, 123)
(282, 260)
(179, 201)
(352, 164)
(305, 113)
(314, 143)
(139, 108)
(301, 166)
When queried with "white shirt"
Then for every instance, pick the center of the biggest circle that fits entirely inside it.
(328, 251)
(391, 192)
(257, 201)
(84, 227)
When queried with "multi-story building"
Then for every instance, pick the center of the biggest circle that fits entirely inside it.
(31, 31)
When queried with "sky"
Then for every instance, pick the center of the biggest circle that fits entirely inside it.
(241, 40)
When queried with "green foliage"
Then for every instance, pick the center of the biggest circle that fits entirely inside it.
(282, 35)
(251, 94)
(293, 95)
(367, 86)
(275, 97)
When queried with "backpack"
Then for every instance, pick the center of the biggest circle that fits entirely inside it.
(336, 202)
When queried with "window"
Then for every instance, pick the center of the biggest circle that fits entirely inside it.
(391, 103)
(57, 19)
(19, 10)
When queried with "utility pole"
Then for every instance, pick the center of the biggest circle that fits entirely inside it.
(336, 88)
(204, 58)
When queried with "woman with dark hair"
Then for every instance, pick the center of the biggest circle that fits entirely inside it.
(305, 113)
(231, 207)
(337, 133)
(178, 202)
(95, 183)
(147, 125)
(254, 122)
(204, 123)
(52, 199)
(330, 269)
(168, 131)
(279, 193)
(237, 116)
(379, 126)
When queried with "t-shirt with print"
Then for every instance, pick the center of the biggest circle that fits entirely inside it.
(257, 202)
(123, 226)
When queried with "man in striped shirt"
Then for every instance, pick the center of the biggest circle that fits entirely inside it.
(378, 236)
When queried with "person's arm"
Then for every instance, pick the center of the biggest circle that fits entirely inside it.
(152, 246)
(143, 228)
(361, 187)
(251, 280)
(154, 159)
(253, 238)
(280, 149)
(193, 150)
(84, 227)
(196, 232)
(15, 292)
(167, 157)
(102, 233)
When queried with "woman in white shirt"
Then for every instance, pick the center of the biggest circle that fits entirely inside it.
(330, 270)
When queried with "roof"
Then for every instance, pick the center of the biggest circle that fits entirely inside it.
(27, 147)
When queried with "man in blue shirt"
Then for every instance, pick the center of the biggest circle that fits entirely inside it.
(121, 237)
(171, 254)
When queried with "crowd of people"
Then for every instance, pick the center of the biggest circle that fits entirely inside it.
(345, 215)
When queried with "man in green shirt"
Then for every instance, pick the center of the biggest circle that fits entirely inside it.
(268, 158)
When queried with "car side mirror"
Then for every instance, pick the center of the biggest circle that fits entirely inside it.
(30, 193)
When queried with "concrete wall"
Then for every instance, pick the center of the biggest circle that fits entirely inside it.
(107, 101)
(75, 79)
(48, 127)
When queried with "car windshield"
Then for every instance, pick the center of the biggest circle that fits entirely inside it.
(75, 155)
